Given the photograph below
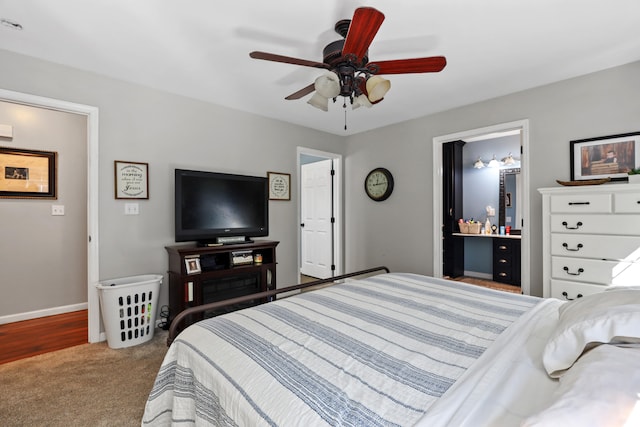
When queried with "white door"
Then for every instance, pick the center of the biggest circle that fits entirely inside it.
(316, 214)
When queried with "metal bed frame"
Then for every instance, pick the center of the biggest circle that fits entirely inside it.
(266, 296)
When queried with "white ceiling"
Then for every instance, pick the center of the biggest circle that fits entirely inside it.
(201, 48)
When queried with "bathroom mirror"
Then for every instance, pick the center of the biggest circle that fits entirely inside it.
(510, 189)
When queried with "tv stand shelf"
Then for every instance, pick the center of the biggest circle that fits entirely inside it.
(218, 278)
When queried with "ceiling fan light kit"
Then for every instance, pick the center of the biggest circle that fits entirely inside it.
(350, 74)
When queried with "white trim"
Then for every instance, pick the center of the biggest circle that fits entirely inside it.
(478, 275)
(337, 200)
(523, 125)
(93, 267)
(19, 317)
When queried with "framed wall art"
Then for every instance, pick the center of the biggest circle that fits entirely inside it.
(132, 180)
(605, 157)
(279, 186)
(28, 174)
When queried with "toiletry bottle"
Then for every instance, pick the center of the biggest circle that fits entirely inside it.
(487, 226)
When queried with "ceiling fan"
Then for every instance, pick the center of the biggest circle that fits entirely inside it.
(349, 72)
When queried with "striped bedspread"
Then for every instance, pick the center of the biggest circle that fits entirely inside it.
(372, 352)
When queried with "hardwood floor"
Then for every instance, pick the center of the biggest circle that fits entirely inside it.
(37, 336)
(489, 284)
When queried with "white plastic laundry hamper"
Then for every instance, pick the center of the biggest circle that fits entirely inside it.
(129, 308)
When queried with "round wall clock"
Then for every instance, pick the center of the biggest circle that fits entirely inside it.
(379, 184)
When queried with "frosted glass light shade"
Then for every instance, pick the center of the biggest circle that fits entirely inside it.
(377, 87)
(361, 101)
(319, 102)
(328, 85)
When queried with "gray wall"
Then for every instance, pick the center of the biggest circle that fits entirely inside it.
(34, 245)
(399, 232)
(166, 131)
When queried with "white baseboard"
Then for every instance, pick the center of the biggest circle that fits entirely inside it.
(478, 275)
(42, 313)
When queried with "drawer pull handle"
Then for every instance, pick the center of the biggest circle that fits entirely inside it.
(577, 248)
(502, 247)
(579, 203)
(503, 261)
(580, 270)
(502, 274)
(566, 296)
(578, 225)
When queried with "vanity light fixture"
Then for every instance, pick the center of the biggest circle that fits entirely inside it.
(479, 164)
(509, 160)
(494, 162)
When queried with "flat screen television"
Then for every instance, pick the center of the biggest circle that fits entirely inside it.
(212, 205)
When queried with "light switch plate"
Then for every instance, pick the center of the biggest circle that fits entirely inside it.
(131, 209)
(57, 210)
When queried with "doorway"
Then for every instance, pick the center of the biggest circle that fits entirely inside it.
(320, 214)
(522, 127)
(91, 114)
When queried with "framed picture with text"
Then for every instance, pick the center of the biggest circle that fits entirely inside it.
(279, 186)
(132, 180)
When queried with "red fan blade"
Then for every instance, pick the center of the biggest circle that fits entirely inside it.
(302, 92)
(363, 28)
(433, 64)
(288, 60)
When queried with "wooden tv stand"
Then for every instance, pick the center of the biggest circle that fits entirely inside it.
(218, 278)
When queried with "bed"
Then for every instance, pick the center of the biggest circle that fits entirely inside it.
(401, 349)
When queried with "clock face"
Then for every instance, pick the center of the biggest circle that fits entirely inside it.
(379, 184)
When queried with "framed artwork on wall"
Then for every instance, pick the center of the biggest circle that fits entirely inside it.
(605, 157)
(28, 174)
(132, 180)
(279, 186)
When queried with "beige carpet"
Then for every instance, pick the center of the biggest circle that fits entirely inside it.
(86, 385)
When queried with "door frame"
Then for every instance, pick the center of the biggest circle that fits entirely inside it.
(523, 126)
(338, 207)
(93, 268)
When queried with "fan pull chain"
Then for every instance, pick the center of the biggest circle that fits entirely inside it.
(345, 119)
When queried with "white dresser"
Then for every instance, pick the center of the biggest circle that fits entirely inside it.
(591, 239)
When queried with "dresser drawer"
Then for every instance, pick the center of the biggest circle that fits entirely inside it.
(583, 270)
(627, 203)
(596, 224)
(572, 290)
(595, 271)
(592, 246)
(581, 203)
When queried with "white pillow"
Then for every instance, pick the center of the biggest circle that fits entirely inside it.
(601, 389)
(605, 317)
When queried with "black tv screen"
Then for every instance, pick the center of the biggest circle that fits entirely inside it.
(209, 205)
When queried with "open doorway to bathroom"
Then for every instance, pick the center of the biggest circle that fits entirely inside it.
(481, 177)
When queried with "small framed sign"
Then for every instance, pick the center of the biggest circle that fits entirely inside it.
(132, 180)
(279, 186)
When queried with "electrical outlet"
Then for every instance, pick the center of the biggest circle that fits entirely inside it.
(57, 210)
(131, 209)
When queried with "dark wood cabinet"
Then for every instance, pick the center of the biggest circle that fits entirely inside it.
(226, 271)
(506, 261)
(452, 246)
